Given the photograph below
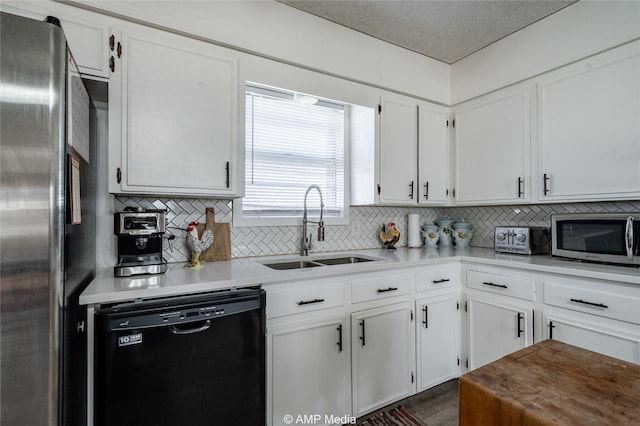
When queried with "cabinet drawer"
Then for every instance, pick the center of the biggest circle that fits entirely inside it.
(437, 278)
(380, 287)
(591, 301)
(296, 298)
(500, 284)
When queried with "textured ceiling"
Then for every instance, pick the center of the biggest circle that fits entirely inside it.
(443, 30)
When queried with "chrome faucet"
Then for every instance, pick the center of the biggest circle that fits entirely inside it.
(305, 242)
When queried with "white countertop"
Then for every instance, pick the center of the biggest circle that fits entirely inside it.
(105, 288)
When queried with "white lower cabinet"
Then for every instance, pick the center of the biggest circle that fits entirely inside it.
(310, 370)
(383, 356)
(601, 316)
(614, 340)
(496, 329)
(499, 315)
(437, 340)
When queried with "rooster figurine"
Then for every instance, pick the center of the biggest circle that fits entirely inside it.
(391, 237)
(197, 245)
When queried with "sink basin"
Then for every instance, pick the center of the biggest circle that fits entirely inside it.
(313, 262)
(343, 260)
(283, 266)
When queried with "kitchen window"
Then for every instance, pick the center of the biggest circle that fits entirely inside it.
(292, 141)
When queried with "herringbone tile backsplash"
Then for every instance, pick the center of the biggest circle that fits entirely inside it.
(365, 224)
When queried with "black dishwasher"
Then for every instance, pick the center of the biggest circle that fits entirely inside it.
(183, 360)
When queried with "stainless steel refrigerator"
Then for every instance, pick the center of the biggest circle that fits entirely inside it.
(47, 225)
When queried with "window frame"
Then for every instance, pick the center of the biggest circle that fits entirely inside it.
(313, 199)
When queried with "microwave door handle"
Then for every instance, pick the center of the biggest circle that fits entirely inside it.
(629, 237)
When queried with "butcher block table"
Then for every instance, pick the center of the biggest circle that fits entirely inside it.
(552, 383)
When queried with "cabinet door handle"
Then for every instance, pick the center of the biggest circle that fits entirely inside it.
(520, 317)
(339, 338)
(118, 175)
(309, 302)
(386, 290)
(545, 180)
(426, 190)
(119, 50)
(112, 64)
(425, 321)
(520, 187)
(362, 336)
(551, 327)
(584, 302)
(227, 170)
(444, 280)
(411, 193)
(494, 285)
(112, 42)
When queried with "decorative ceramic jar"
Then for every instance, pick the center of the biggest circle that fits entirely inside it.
(445, 230)
(462, 233)
(431, 235)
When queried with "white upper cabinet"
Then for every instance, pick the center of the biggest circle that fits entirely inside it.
(398, 146)
(433, 154)
(173, 102)
(413, 154)
(588, 127)
(86, 33)
(492, 140)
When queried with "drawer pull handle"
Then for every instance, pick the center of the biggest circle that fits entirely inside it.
(584, 302)
(385, 290)
(309, 302)
(495, 285)
(444, 280)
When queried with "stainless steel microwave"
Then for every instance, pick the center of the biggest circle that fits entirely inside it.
(606, 237)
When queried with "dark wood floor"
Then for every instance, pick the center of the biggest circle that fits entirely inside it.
(437, 406)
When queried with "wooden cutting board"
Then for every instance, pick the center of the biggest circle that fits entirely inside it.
(221, 247)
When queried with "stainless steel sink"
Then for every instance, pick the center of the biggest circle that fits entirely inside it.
(282, 266)
(313, 262)
(343, 260)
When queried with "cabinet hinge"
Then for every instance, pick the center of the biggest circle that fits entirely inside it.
(379, 189)
(379, 108)
(412, 377)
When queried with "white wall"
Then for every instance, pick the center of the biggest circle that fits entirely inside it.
(277, 31)
(579, 30)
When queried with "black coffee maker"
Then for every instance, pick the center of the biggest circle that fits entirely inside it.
(139, 234)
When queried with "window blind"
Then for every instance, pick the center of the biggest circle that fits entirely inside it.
(289, 146)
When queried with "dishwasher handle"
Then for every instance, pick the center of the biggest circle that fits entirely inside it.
(177, 330)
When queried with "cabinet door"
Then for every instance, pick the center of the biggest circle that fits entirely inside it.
(588, 128)
(433, 155)
(87, 38)
(309, 371)
(398, 146)
(178, 111)
(495, 330)
(438, 337)
(579, 332)
(383, 356)
(492, 137)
